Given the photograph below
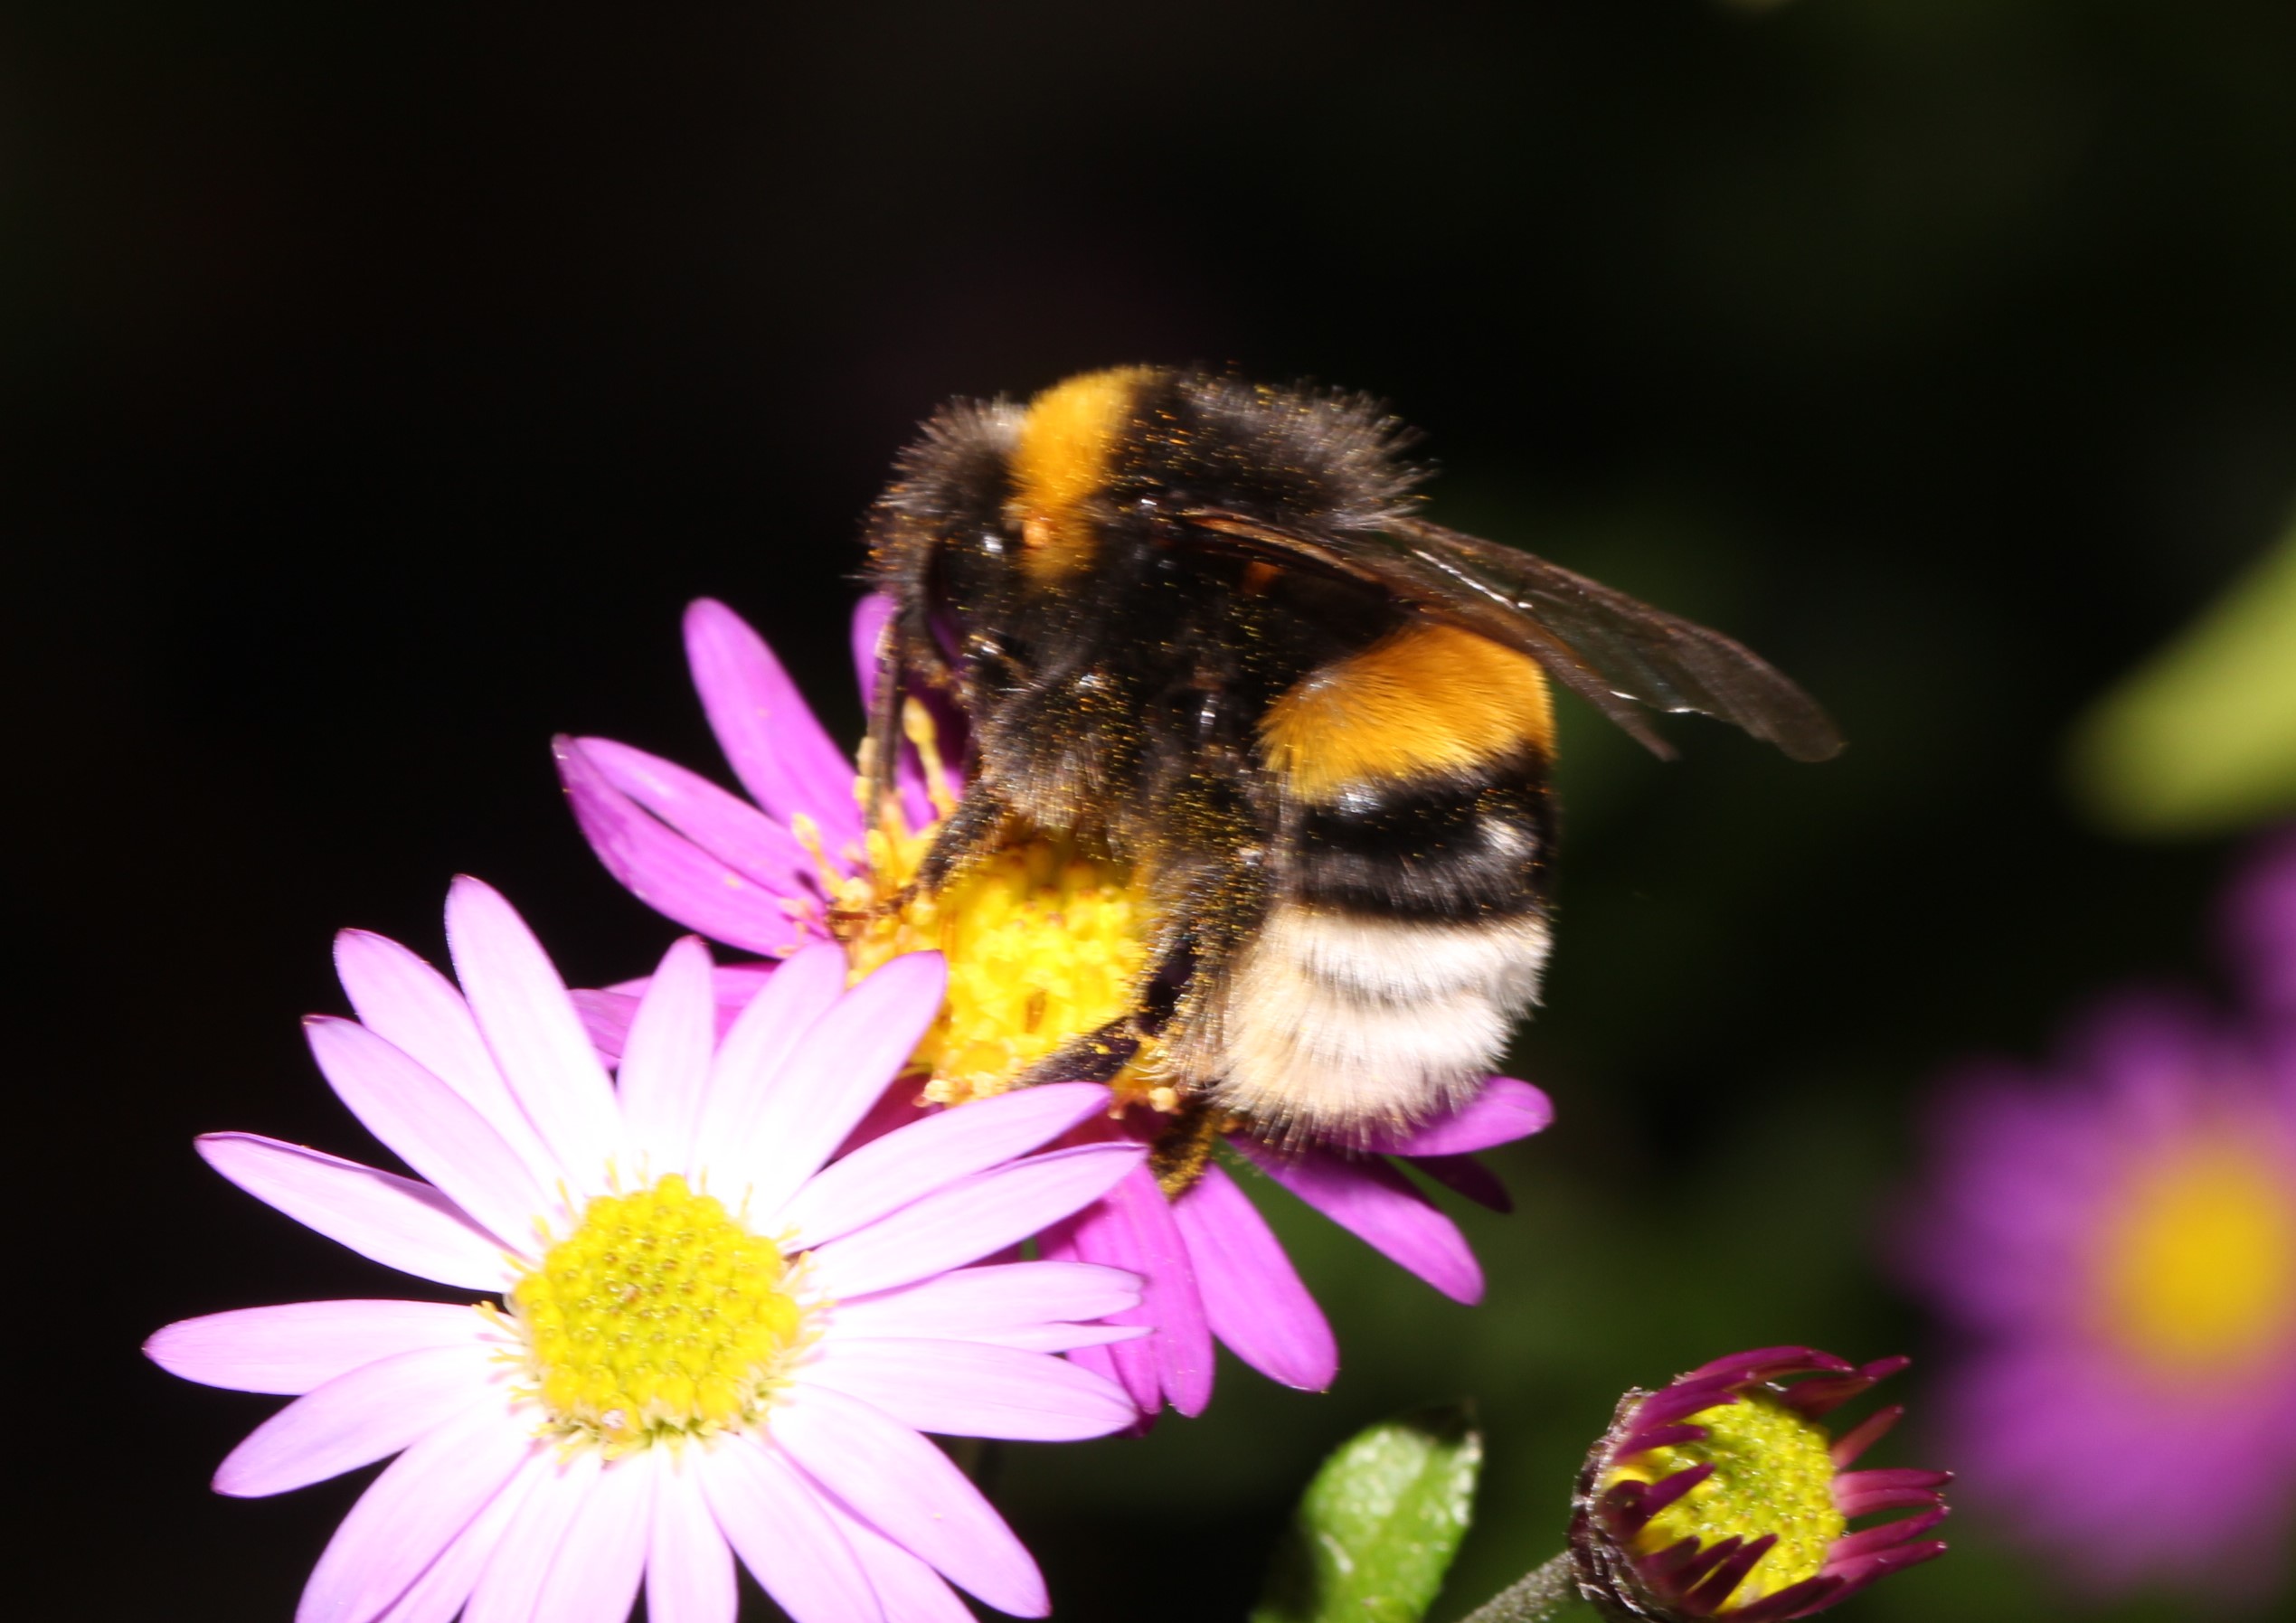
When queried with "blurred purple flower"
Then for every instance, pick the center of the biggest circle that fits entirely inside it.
(757, 875)
(2115, 1242)
(711, 1345)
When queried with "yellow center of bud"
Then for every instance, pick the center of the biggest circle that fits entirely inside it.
(660, 1316)
(1044, 940)
(1771, 1474)
(2196, 1272)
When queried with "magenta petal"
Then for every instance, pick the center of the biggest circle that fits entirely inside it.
(395, 1220)
(967, 1389)
(972, 1218)
(913, 1161)
(359, 1417)
(606, 1020)
(1464, 1174)
(1133, 1228)
(297, 1345)
(1252, 1297)
(769, 736)
(1370, 1200)
(1505, 1109)
(870, 616)
(910, 1491)
(411, 1512)
(778, 1525)
(725, 825)
(669, 872)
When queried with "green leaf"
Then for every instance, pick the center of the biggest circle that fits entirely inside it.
(1377, 1528)
(2202, 739)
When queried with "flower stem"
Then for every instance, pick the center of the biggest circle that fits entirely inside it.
(1547, 1594)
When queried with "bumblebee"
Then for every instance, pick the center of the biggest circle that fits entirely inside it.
(1201, 624)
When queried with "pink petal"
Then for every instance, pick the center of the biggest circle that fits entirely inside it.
(411, 1512)
(1252, 1297)
(1370, 1200)
(395, 1220)
(965, 1389)
(769, 736)
(664, 1075)
(417, 1010)
(297, 1345)
(606, 1020)
(595, 1577)
(359, 1416)
(510, 1587)
(439, 1594)
(887, 1175)
(689, 1569)
(990, 1303)
(805, 988)
(1134, 1229)
(431, 1126)
(783, 1533)
(971, 1218)
(909, 1590)
(669, 872)
(725, 825)
(532, 1029)
(911, 1492)
(839, 1068)
(1505, 1110)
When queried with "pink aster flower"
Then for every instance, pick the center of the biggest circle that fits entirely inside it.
(763, 875)
(2114, 1239)
(712, 1339)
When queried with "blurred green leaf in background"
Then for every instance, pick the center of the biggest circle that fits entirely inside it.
(1377, 1528)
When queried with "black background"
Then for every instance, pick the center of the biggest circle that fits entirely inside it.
(382, 381)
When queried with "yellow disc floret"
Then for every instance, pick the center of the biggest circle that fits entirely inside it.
(660, 1316)
(1773, 1474)
(2196, 1271)
(1045, 940)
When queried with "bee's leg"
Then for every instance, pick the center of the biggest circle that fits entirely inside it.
(1182, 1150)
(1095, 1056)
(978, 827)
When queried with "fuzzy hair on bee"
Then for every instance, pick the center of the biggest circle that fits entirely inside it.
(1199, 624)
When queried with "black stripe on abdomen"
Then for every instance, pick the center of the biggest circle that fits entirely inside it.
(1435, 849)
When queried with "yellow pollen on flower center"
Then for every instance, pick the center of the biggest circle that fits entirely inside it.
(1044, 940)
(1773, 1474)
(659, 1316)
(2196, 1271)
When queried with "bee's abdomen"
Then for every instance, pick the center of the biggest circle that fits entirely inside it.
(1407, 927)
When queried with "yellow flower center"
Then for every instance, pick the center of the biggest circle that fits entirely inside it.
(1044, 940)
(2196, 1271)
(1771, 1474)
(660, 1316)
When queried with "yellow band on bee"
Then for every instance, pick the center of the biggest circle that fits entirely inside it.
(1064, 459)
(1426, 699)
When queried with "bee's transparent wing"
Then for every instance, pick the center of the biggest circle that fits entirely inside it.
(1611, 649)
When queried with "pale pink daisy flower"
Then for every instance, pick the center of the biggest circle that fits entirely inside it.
(716, 1338)
(763, 874)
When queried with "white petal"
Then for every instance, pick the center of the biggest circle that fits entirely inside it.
(909, 1490)
(595, 1577)
(777, 1524)
(972, 1218)
(297, 1345)
(397, 1221)
(803, 989)
(410, 1513)
(989, 1303)
(888, 1173)
(512, 1583)
(966, 1388)
(437, 1596)
(360, 1416)
(431, 1126)
(689, 1567)
(910, 1591)
(666, 1065)
(536, 1036)
(410, 1006)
